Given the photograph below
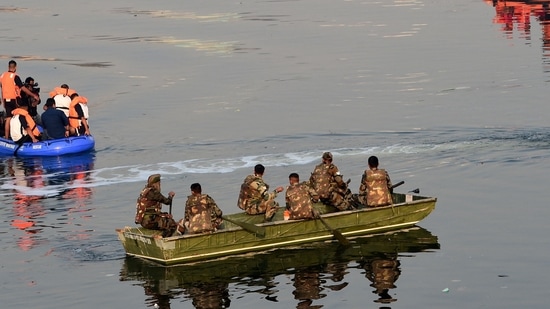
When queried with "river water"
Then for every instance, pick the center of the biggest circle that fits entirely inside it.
(450, 95)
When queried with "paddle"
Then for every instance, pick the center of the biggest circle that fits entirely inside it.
(252, 228)
(170, 205)
(341, 238)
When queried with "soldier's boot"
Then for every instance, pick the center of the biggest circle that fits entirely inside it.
(271, 211)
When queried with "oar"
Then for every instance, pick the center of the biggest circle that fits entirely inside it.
(252, 228)
(170, 205)
(341, 238)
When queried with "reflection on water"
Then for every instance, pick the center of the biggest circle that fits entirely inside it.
(315, 270)
(515, 16)
(34, 180)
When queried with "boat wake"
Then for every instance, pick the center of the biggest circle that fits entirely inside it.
(47, 179)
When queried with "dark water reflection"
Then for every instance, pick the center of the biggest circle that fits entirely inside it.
(515, 18)
(32, 181)
(314, 271)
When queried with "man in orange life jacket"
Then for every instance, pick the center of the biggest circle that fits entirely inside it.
(11, 93)
(78, 115)
(23, 128)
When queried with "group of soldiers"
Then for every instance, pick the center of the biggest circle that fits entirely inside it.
(325, 185)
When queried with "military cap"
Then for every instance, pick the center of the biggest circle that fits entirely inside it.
(327, 155)
(153, 179)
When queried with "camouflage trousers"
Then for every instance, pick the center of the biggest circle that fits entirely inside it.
(161, 221)
(269, 208)
(341, 199)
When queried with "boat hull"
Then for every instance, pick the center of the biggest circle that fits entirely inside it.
(288, 260)
(232, 239)
(54, 147)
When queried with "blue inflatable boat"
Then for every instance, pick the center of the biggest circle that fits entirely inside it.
(53, 147)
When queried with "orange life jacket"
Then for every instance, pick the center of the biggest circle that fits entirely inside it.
(10, 90)
(30, 121)
(74, 120)
(63, 91)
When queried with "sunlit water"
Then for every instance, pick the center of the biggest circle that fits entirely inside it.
(451, 96)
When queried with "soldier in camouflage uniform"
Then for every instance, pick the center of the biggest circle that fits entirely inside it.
(255, 197)
(148, 208)
(201, 211)
(299, 197)
(327, 181)
(375, 189)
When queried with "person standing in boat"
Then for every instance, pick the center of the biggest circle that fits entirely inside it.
(11, 93)
(327, 181)
(148, 208)
(299, 198)
(54, 121)
(202, 214)
(375, 189)
(30, 101)
(255, 198)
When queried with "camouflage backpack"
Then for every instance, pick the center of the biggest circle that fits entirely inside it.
(321, 180)
(299, 201)
(247, 193)
(142, 204)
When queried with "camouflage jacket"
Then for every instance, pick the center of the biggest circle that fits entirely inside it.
(149, 201)
(375, 188)
(202, 213)
(299, 200)
(325, 178)
(253, 191)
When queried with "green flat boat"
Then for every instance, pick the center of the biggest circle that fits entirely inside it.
(232, 239)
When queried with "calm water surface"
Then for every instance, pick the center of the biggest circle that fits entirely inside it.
(450, 95)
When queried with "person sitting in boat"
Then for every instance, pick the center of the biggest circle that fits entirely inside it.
(327, 181)
(54, 121)
(148, 208)
(299, 198)
(23, 129)
(255, 198)
(62, 97)
(78, 116)
(202, 214)
(375, 189)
